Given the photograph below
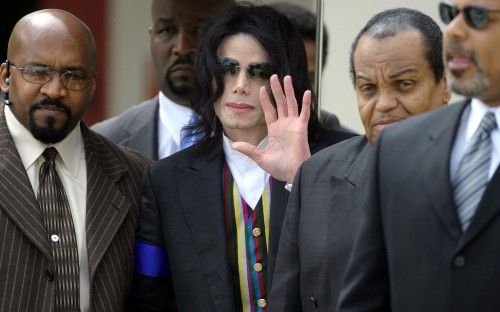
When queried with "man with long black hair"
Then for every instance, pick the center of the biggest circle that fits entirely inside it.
(210, 210)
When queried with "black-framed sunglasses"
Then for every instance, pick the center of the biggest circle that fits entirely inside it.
(256, 70)
(39, 74)
(475, 16)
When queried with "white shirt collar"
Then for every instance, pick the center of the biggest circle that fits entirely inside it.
(173, 117)
(250, 179)
(477, 111)
(30, 149)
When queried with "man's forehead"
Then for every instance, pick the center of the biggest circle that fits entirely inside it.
(393, 53)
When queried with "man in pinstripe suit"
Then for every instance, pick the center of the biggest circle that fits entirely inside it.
(47, 82)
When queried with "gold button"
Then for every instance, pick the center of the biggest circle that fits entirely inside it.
(262, 303)
(256, 232)
(257, 267)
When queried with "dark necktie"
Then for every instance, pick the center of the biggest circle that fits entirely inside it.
(472, 175)
(59, 224)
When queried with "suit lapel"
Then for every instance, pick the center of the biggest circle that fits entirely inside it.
(107, 207)
(143, 134)
(204, 213)
(434, 164)
(488, 208)
(17, 198)
(279, 202)
(356, 173)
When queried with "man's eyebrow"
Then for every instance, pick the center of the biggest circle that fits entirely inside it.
(69, 68)
(361, 76)
(164, 20)
(403, 71)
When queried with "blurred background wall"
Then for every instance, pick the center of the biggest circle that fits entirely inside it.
(124, 66)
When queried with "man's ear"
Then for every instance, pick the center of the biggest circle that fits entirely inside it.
(4, 80)
(446, 91)
(93, 85)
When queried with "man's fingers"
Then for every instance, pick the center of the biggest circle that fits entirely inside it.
(248, 149)
(279, 97)
(291, 101)
(267, 106)
(305, 113)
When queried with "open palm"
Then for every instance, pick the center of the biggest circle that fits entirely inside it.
(288, 147)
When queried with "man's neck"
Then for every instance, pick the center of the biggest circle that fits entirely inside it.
(181, 100)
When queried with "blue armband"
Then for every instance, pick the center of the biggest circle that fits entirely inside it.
(151, 261)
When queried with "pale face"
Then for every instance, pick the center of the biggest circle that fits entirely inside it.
(239, 108)
(394, 81)
(472, 55)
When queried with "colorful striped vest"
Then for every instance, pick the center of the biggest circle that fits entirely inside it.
(248, 238)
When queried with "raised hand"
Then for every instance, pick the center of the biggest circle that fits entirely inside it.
(288, 147)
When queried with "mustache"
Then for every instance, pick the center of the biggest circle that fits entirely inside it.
(50, 102)
(182, 60)
(453, 45)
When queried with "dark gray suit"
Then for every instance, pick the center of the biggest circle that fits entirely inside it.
(320, 224)
(113, 205)
(136, 128)
(410, 254)
(183, 212)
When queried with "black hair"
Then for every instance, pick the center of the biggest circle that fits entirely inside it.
(305, 21)
(394, 21)
(278, 38)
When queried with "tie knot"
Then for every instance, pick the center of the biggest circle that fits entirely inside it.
(489, 122)
(50, 153)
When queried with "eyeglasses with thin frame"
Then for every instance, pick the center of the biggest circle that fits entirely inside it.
(257, 70)
(475, 16)
(39, 74)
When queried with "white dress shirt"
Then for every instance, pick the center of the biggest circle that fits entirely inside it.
(173, 117)
(471, 118)
(250, 179)
(72, 169)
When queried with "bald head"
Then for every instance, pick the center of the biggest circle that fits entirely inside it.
(54, 26)
(51, 60)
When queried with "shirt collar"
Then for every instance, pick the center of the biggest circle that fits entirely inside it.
(173, 116)
(30, 149)
(234, 155)
(477, 111)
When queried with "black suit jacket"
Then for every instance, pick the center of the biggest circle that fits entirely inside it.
(410, 254)
(183, 212)
(113, 205)
(319, 227)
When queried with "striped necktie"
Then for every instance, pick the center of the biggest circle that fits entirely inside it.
(472, 175)
(59, 225)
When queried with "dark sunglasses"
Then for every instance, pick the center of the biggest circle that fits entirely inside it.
(231, 68)
(475, 16)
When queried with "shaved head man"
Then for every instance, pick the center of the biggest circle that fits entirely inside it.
(154, 127)
(69, 243)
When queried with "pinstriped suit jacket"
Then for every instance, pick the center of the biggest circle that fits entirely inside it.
(114, 177)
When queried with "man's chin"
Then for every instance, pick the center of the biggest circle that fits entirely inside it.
(470, 87)
(181, 89)
(49, 133)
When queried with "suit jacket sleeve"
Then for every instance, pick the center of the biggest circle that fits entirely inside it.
(152, 288)
(285, 290)
(366, 283)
